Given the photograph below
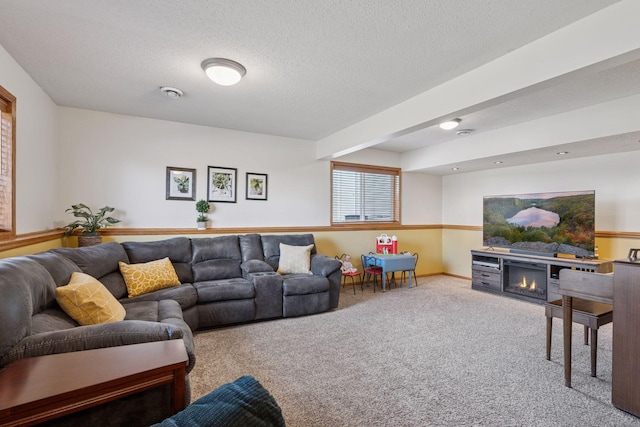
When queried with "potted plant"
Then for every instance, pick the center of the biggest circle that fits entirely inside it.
(90, 223)
(202, 207)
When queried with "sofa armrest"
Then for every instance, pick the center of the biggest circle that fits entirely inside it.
(91, 337)
(254, 266)
(323, 265)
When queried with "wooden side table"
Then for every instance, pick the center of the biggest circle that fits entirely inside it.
(43, 388)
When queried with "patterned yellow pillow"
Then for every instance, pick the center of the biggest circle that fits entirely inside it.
(89, 302)
(149, 276)
(294, 259)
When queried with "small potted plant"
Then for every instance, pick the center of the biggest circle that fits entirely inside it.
(90, 223)
(202, 207)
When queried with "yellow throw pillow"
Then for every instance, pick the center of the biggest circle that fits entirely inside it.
(149, 276)
(294, 259)
(89, 302)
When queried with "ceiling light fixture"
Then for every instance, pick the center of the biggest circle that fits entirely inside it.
(450, 124)
(464, 132)
(224, 72)
(562, 153)
(455, 169)
(498, 162)
(171, 92)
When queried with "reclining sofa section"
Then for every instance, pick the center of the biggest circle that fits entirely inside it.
(224, 280)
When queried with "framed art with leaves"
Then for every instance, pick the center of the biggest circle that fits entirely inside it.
(222, 184)
(181, 183)
(256, 186)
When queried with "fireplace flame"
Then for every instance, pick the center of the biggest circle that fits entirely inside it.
(524, 284)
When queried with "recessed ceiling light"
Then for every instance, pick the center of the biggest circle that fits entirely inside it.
(450, 124)
(171, 92)
(497, 162)
(224, 72)
(562, 153)
(464, 132)
(455, 169)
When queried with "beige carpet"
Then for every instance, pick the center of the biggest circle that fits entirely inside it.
(440, 354)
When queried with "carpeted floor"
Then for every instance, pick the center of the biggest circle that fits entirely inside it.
(440, 354)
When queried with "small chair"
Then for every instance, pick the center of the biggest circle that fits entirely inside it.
(594, 287)
(402, 275)
(591, 314)
(370, 269)
(350, 274)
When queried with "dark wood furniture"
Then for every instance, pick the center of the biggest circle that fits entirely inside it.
(625, 387)
(586, 286)
(487, 269)
(591, 314)
(38, 389)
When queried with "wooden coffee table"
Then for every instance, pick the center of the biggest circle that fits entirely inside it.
(38, 389)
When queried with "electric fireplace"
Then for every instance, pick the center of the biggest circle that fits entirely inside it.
(526, 280)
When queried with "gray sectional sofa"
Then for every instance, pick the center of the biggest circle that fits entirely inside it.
(224, 280)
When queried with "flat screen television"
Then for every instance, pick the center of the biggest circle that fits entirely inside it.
(541, 223)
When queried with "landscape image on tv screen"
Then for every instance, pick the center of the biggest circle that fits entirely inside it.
(554, 223)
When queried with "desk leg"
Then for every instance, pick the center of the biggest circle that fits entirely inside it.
(410, 276)
(384, 280)
(178, 390)
(567, 320)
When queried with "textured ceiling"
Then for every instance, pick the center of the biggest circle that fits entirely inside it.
(313, 67)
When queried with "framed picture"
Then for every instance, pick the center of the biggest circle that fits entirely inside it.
(181, 183)
(256, 186)
(221, 185)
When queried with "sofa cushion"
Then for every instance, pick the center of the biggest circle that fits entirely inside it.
(255, 266)
(223, 290)
(53, 319)
(271, 245)
(101, 262)
(88, 302)
(178, 249)
(152, 311)
(242, 403)
(148, 276)
(96, 261)
(216, 258)
(57, 265)
(185, 295)
(294, 259)
(251, 247)
(296, 284)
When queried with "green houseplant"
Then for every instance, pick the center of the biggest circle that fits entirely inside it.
(89, 223)
(202, 207)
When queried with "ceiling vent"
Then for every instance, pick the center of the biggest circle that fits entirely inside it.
(171, 92)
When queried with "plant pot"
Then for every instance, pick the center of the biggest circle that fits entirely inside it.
(202, 225)
(89, 240)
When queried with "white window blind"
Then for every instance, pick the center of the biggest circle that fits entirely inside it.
(362, 193)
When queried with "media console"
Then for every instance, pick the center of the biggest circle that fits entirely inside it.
(530, 277)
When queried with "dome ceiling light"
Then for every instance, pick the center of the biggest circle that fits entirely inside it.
(224, 72)
(450, 124)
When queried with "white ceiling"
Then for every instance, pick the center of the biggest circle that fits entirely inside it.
(313, 67)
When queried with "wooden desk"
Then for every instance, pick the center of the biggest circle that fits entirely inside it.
(38, 389)
(391, 262)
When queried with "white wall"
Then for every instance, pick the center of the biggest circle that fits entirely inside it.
(614, 178)
(120, 161)
(36, 151)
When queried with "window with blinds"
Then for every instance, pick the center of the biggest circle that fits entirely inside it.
(362, 193)
(7, 164)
